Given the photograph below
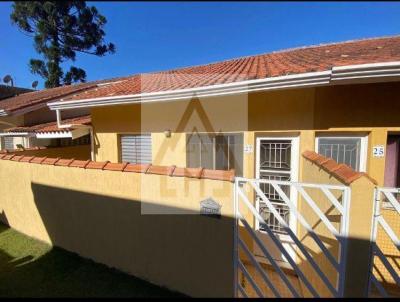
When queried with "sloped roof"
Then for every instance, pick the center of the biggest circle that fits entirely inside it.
(33, 98)
(10, 91)
(287, 62)
(51, 126)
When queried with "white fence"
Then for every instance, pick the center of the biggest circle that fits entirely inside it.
(385, 198)
(338, 196)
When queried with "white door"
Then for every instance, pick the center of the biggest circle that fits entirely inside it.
(277, 159)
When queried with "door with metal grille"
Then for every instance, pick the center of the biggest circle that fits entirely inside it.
(136, 149)
(277, 160)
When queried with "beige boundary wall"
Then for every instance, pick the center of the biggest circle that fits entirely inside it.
(98, 214)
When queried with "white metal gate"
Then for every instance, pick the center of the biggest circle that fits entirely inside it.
(386, 199)
(338, 197)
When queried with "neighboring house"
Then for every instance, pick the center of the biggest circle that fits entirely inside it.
(30, 112)
(10, 91)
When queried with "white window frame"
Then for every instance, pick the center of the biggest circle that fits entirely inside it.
(294, 176)
(214, 135)
(134, 134)
(363, 146)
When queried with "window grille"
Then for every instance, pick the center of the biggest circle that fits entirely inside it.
(275, 164)
(342, 150)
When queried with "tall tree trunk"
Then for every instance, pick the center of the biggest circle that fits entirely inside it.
(53, 65)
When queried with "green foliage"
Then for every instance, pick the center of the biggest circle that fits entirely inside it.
(31, 268)
(60, 29)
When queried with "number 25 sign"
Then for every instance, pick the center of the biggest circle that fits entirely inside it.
(378, 151)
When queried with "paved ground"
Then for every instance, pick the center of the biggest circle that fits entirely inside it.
(30, 268)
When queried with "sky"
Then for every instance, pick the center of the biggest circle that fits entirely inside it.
(157, 36)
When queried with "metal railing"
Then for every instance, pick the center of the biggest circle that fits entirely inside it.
(384, 198)
(341, 204)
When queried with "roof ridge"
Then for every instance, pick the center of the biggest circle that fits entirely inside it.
(332, 43)
(271, 52)
(129, 77)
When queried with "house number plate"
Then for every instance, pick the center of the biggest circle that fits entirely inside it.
(378, 151)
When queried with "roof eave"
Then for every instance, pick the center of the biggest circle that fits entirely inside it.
(351, 74)
(17, 134)
(3, 112)
(281, 82)
(72, 133)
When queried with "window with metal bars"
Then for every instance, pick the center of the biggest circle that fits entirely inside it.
(346, 150)
(215, 151)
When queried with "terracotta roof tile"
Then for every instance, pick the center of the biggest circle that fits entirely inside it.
(64, 162)
(161, 170)
(43, 96)
(138, 168)
(79, 163)
(341, 171)
(26, 159)
(188, 172)
(50, 161)
(286, 62)
(8, 156)
(38, 160)
(115, 166)
(170, 171)
(219, 174)
(17, 157)
(96, 165)
(52, 126)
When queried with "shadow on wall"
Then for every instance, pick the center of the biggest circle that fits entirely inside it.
(188, 253)
(3, 218)
(356, 271)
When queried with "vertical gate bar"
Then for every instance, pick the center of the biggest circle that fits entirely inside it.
(344, 235)
(235, 238)
(374, 234)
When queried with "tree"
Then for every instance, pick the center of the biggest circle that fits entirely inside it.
(61, 29)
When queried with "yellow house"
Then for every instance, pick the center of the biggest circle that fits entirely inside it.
(258, 115)
(339, 100)
(265, 117)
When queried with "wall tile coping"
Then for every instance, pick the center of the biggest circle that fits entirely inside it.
(172, 171)
(342, 172)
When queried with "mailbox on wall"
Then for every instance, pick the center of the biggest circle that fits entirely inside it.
(209, 207)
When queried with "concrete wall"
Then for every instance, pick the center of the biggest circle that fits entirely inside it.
(119, 219)
(77, 152)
